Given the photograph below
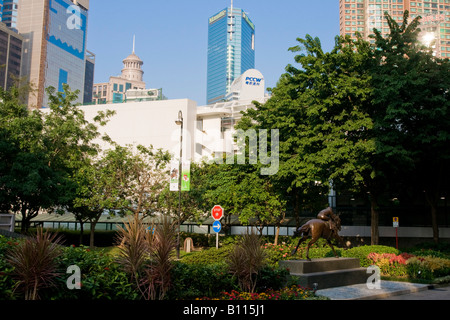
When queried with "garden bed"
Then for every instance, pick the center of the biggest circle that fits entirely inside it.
(102, 278)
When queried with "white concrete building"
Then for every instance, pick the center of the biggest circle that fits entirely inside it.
(208, 129)
(249, 86)
(149, 123)
(215, 127)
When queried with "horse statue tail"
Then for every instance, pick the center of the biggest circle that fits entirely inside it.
(303, 230)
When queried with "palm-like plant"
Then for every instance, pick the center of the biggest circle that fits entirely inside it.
(162, 250)
(246, 261)
(147, 255)
(134, 245)
(35, 263)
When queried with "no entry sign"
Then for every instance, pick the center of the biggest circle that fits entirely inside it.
(217, 213)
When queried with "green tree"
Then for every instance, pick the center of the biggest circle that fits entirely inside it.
(410, 110)
(42, 151)
(27, 182)
(325, 129)
(123, 181)
(193, 206)
(243, 192)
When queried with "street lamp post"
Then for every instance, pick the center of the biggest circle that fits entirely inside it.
(179, 122)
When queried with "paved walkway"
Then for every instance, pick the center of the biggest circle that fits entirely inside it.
(439, 293)
(389, 290)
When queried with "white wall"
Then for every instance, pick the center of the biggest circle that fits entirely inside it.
(149, 123)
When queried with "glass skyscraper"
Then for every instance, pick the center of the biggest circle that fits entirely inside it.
(8, 13)
(231, 51)
(54, 50)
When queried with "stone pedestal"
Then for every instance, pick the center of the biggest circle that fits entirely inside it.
(326, 273)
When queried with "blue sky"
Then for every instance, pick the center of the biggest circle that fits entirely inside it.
(172, 37)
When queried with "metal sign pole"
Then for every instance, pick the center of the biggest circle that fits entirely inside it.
(217, 240)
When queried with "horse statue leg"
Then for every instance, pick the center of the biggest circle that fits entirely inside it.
(332, 248)
(300, 241)
(313, 240)
(303, 231)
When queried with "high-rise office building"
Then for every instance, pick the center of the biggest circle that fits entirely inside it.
(364, 15)
(89, 77)
(10, 56)
(8, 13)
(231, 51)
(54, 50)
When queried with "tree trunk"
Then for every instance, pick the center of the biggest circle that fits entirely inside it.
(374, 215)
(277, 233)
(81, 232)
(24, 225)
(434, 223)
(431, 198)
(297, 210)
(91, 239)
(27, 216)
(25, 222)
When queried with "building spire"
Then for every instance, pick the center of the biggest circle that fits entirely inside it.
(134, 42)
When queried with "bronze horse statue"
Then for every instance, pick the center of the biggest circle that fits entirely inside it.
(327, 226)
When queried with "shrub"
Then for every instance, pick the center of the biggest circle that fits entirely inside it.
(283, 251)
(289, 293)
(147, 256)
(34, 263)
(134, 243)
(7, 283)
(428, 268)
(272, 278)
(441, 249)
(415, 267)
(363, 252)
(280, 252)
(246, 260)
(101, 277)
(430, 253)
(200, 240)
(163, 244)
(208, 256)
(390, 264)
(210, 280)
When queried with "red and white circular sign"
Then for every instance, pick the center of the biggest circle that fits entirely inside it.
(217, 213)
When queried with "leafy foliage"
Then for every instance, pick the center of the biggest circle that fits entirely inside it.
(246, 261)
(368, 119)
(34, 263)
(147, 256)
(40, 152)
(7, 283)
(410, 111)
(101, 277)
